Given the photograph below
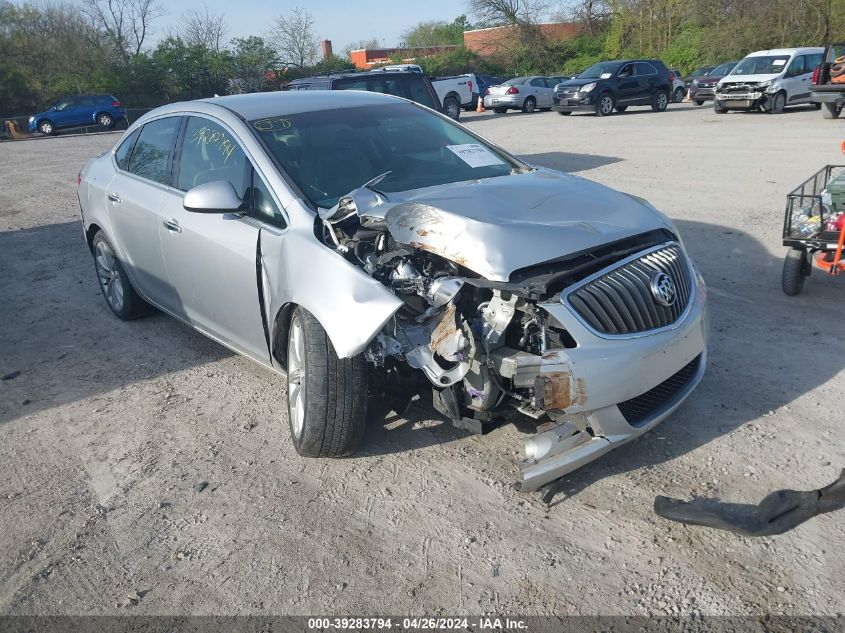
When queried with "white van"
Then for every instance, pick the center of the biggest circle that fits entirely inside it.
(770, 80)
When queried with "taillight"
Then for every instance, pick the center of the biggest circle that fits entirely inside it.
(469, 83)
(816, 73)
(671, 77)
(79, 179)
(115, 104)
(513, 90)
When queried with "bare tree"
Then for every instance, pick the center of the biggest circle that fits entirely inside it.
(200, 27)
(294, 39)
(125, 23)
(371, 43)
(507, 12)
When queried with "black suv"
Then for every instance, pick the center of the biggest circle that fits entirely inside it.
(609, 86)
(412, 86)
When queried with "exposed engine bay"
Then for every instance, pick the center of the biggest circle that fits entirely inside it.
(488, 349)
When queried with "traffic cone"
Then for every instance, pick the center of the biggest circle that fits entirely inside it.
(480, 107)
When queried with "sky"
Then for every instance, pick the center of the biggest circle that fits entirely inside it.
(340, 22)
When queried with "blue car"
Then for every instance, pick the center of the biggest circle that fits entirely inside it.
(102, 110)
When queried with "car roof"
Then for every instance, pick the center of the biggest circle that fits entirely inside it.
(356, 75)
(264, 104)
(786, 51)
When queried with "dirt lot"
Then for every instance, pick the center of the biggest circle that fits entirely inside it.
(109, 427)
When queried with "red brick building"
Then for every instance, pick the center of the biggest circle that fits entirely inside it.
(366, 58)
(487, 42)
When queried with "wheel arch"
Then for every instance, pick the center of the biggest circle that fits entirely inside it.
(90, 232)
(279, 334)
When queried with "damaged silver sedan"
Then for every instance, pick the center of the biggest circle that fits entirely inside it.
(364, 245)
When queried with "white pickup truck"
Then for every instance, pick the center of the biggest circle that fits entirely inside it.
(455, 92)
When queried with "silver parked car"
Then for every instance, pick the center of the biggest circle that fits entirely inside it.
(521, 93)
(363, 244)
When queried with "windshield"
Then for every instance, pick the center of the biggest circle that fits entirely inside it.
(724, 69)
(597, 70)
(516, 81)
(328, 153)
(761, 65)
(700, 72)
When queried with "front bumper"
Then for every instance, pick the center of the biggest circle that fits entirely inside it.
(740, 100)
(576, 102)
(702, 93)
(503, 101)
(649, 376)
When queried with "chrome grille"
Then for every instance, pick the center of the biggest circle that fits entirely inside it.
(621, 302)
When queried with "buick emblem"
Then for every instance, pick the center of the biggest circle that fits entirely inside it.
(663, 289)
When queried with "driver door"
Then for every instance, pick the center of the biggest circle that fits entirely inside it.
(627, 85)
(210, 258)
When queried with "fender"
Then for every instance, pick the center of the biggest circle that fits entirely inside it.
(350, 305)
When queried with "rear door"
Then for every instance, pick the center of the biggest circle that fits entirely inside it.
(538, 89)
(647, 78)
(211, 257)
(134, 198)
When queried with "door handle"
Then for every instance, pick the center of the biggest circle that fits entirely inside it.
(172, 225)
(113, 197)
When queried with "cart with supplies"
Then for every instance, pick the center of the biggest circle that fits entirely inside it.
(814, 227)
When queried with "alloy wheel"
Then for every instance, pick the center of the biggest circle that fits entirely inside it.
(296, 376)
(109, 275)
(606, 105)
(662, 101)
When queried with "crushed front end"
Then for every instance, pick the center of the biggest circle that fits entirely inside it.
(591, 349)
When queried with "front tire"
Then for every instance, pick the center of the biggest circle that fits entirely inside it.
(718, 108)
(605, 105)
(831, 110)
(699, 102)
(794, 272)
(327, 395)
(46, 127)
(678, 95)
(452, 108)
(661, 101)
(777, 103)
(115, 285)
(529, 105)
(621, 109)
(564, 113)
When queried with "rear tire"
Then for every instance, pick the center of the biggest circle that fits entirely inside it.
(699, 102)
(661, 101)
(621, 109)
(529, 105)
(500, 110)
(563, 113)
(678, 95)
(794, 267)
(105, 120)
(327, 395)
(831, 110)
(115, 285)
(452, 108)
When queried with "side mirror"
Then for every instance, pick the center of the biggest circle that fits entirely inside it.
(217, 196)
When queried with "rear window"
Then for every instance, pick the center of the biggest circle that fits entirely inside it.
(411, 86)
(516, 81)
(151, 155)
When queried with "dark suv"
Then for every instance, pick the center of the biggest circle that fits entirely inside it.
(609, 86)
(412, 86)
(103, 110)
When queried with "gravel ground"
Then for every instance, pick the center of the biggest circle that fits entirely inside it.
(109, 430)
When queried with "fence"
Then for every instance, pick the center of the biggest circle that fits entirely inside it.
(22, 123)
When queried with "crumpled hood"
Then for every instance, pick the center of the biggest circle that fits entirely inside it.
(498, 225)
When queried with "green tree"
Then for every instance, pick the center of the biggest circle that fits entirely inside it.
(254, 64)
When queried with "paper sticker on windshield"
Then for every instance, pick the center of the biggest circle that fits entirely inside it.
(778, 62)
(606, 75)
(475, 155)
